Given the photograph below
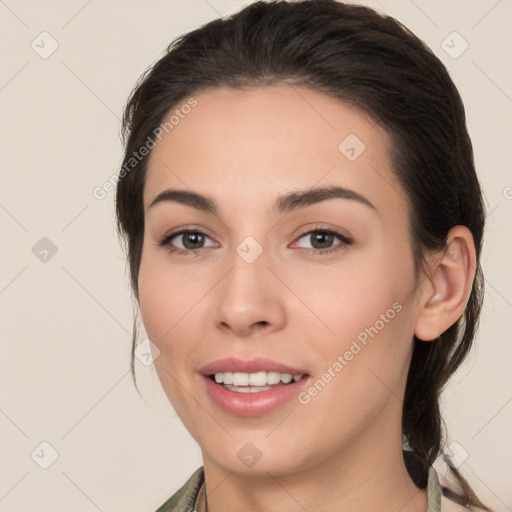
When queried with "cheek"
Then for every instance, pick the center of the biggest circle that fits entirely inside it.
(354, 296)
(166, 297)
(362, 369)
(158, 306)
(169, 312)
(363, 323)
(174, 304)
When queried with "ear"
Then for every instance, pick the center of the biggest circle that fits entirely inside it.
(446, 291)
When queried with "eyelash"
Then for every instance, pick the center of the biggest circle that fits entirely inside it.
(165, 241)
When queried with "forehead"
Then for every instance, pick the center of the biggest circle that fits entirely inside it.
(256, 143)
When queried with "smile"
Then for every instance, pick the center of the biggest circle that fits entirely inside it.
(253, 382)
(249, 400)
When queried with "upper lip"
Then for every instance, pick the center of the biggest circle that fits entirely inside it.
(257, 364)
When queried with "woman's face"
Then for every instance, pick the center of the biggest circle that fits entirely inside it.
(317, 284)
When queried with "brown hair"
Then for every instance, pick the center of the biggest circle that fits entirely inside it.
(373, 62)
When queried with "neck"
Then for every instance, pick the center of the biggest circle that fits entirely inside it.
(363, 474)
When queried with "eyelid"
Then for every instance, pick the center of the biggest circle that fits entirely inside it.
(185, 229)
(345, 240)
(343, 234)
(165, 241)
(187, 232)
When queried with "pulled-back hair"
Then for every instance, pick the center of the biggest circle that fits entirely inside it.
(374, 63)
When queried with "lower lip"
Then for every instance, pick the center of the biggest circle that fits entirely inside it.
(252, 404)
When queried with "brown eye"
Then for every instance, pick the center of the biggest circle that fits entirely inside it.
(186, 241)
(192, 240)
(323, 241)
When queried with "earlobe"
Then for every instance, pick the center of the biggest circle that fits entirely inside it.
(448, 288)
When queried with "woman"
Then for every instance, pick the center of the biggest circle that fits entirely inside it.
(304, 225)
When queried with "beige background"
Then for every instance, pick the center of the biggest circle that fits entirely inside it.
(65, 323)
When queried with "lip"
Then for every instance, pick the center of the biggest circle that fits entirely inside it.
(256, 364)
(252, 404)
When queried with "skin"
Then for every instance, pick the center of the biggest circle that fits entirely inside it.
(244, 149)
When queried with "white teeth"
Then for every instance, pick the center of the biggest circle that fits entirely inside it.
(246, 389)
(240, 379)
(273, 378)
(257, 379)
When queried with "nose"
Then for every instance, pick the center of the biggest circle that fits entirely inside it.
(250, 298)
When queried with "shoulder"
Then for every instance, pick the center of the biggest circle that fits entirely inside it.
(184, 499)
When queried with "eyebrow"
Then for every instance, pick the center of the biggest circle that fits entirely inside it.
(283, 204)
